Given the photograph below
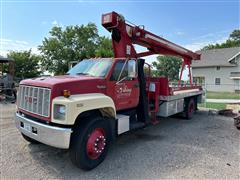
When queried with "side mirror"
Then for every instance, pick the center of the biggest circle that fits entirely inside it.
(132, 69)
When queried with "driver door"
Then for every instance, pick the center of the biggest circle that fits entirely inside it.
(123, 90)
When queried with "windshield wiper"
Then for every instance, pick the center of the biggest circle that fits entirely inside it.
(87, 74)
(81, 73)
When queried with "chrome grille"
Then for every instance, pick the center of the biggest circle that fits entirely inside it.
(34, 99)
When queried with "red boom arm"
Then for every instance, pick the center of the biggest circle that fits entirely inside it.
(125, 35)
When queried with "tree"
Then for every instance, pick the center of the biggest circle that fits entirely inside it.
(104, 48)
(72, 43)
(26, 64)
(235, 35)
(167, 66)
(232, 41)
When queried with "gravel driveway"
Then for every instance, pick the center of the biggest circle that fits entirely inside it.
(208, 146)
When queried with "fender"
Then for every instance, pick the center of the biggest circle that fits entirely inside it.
(77, 104)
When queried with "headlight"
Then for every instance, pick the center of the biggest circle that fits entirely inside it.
(59, 111)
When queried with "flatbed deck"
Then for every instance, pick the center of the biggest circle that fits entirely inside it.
(182, 94)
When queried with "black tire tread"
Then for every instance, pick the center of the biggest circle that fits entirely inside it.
(78, 139)
(188, 101)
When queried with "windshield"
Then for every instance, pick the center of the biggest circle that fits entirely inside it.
(92, 67)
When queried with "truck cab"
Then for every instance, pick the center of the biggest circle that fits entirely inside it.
(120, 77)
(116, 78)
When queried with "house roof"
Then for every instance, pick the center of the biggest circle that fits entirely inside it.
(217, 57)
(5, 60)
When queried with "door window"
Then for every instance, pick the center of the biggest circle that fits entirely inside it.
(121, 67)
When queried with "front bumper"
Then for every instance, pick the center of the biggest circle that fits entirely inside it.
(46, 134)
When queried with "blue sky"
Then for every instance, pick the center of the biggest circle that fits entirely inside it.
(192, 24)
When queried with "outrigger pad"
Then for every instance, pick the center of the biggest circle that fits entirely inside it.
(142, 109)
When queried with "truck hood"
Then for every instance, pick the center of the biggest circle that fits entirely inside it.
(54, 80)
(76, 84)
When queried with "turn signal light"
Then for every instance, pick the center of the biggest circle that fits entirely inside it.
(66, 93)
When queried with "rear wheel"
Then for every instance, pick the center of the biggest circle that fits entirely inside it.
(32, 141)
(237, 122)
(189, 108)
(90, 143)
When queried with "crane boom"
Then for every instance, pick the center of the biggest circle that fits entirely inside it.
(124, 36)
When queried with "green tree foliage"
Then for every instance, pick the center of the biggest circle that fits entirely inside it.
(235, 35)
(26, 64)
(148, 72)
(104, 48)
(72, 43)
(167, 66)
(232, 41)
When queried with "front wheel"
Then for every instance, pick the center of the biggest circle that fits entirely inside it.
(90, 143)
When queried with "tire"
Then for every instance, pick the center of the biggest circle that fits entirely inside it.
(90, 143)
(237, 123)
(14, 92)
(8, 94)
(30, 140)
(190, 108)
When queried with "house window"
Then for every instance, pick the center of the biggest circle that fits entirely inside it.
(217, 81)
(218, 68)
(237, 84)
(199, 80)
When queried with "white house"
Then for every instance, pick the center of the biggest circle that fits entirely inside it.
(218, 69)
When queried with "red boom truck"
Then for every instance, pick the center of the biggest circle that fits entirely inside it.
(102, 98)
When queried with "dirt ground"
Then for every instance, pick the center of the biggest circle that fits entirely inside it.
(206, 147)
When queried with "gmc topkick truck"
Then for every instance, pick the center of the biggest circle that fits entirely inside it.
(99, 99)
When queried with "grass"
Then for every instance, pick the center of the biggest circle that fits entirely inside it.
(222, 95)
(210, 105)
